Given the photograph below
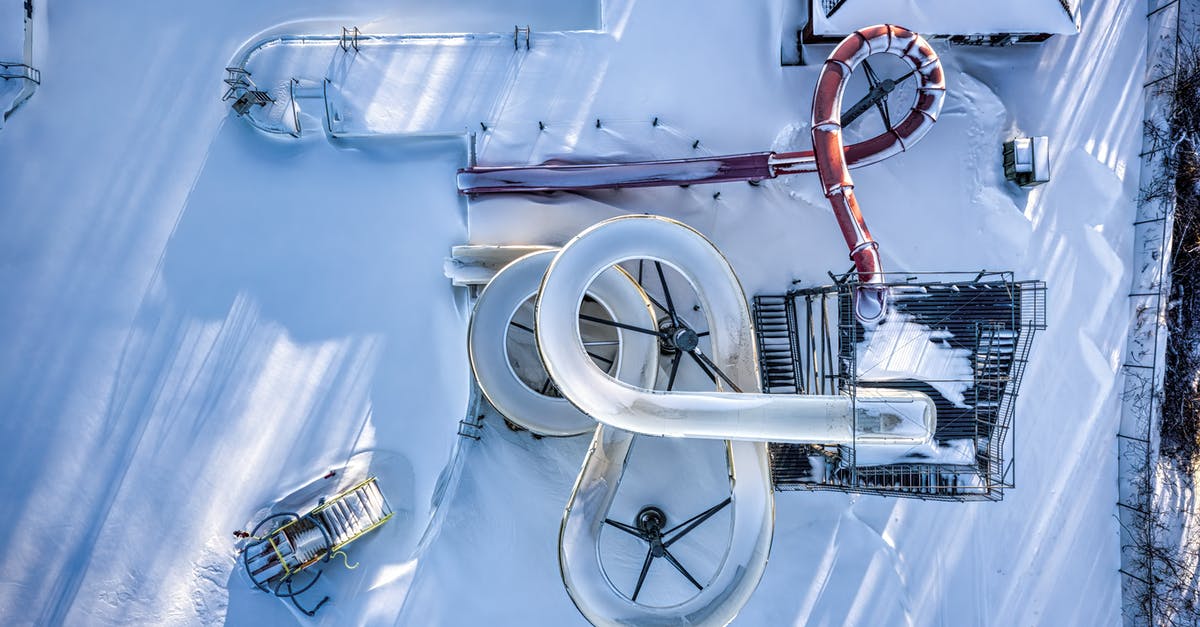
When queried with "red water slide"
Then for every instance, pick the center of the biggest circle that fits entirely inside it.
(829, 158)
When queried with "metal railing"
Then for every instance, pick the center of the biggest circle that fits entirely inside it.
(20, 70)
(810, 342)
(349, 41)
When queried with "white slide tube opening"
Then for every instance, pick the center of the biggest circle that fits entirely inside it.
(492, 322)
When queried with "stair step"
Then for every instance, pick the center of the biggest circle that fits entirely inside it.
(338, 524)
(344, 511)
(378, 496)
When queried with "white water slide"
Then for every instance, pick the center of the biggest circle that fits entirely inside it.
(615, 395)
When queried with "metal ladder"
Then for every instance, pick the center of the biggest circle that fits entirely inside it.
(773, 326)
(353, 513)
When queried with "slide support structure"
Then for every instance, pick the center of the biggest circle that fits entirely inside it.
(623, 403)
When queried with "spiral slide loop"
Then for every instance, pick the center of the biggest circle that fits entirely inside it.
(627, 404)
(830, 154)
(492, 322)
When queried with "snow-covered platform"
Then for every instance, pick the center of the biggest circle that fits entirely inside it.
(962, 340)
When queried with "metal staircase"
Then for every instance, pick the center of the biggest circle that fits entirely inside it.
(294, 542)
(773, 324)
(809, 344)
(353, 513)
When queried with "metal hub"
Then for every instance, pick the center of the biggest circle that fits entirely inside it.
(651, 520)
(674, 338)
(684, 339)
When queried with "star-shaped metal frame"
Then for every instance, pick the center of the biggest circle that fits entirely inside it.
(877, 96)
(648, 527)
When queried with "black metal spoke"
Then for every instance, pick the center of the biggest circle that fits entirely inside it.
(674, 370)
(694, 521)
(654, 301)
(521, 326)
(702, 334)
(701, 517)
(877, 95)
(642, 577)
(601, 358)
(883, 113)
(621, 325)
(603, 343)
(859, 107)
(704, 368)
(662, 278)
(679, 567)
(872, 80)
(630, 529)
(707, 363)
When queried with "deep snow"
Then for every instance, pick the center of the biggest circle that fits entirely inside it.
(198, 318)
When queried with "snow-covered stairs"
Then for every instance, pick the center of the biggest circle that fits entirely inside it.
(354, 512)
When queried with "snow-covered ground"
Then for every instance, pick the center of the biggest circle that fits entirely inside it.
(12, 31)
(199, 318)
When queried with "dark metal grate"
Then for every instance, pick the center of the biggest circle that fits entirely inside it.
(810, 340)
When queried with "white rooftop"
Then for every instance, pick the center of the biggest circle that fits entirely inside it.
(950, 17)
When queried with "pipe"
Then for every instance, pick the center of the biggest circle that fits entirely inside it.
(759, 166)
(901, 42)
(752, 507)
(478, 179)
(829, 158)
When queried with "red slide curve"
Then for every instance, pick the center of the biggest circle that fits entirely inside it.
(829, 158)
(832, 158)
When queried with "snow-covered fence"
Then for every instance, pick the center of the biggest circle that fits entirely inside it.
(1150, 568)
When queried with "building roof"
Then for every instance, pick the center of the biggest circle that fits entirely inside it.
(948, 17)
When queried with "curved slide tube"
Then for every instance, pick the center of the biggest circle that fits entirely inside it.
(838, 187)
(721, 415)
(614, 290)
(628, 404)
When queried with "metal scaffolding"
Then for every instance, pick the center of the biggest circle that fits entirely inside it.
(810, 343)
